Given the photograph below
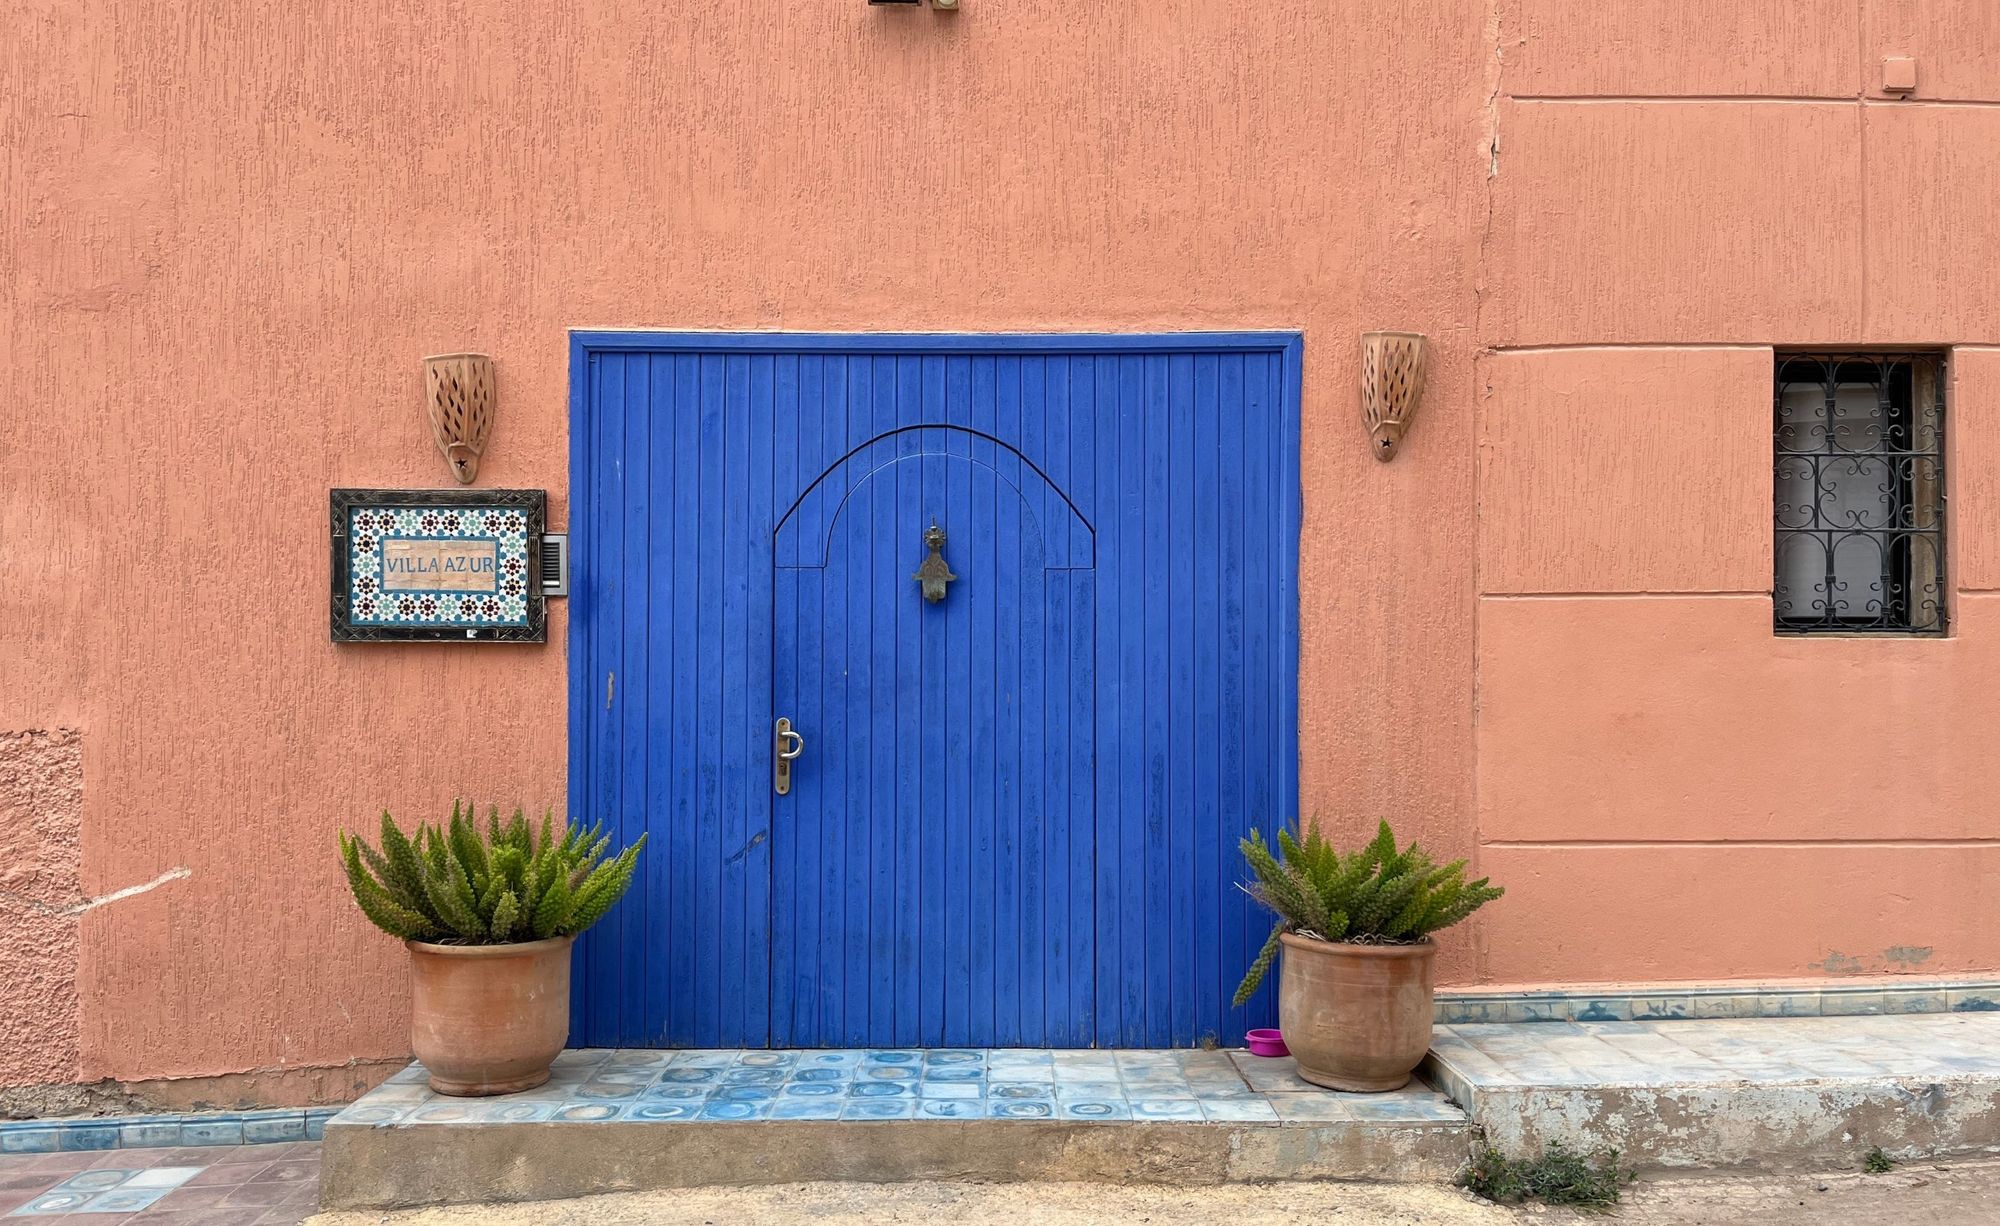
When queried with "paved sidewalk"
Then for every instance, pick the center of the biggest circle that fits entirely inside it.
(1960, 1195)
(216, 1185)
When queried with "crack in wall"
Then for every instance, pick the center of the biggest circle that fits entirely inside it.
(91, 904)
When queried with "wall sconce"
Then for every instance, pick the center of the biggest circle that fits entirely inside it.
(460, 406)
(1392, 386)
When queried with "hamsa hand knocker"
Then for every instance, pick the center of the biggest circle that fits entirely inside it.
(934, 574)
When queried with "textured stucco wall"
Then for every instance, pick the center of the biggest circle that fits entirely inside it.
(41, 816)
(1670, 791)
(229, 232)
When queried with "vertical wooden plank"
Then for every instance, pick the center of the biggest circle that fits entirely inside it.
(1181, 611)
(789, 902)
(1230, 714)
(1006, 601)
(836, 737)
(1156, 846)
(934, 907)
(1031, 758)
(883, 563)
(958, 815)
(1085, 749)
(905, 539)
(629, 712)
(857, 725)
(753, 856)
(654, 680)
(1209, 835)
(600, 956)
(1259, 581)
(710, 632)
(1110, 765)
(980, 594)
(735, 696)
(680, 837)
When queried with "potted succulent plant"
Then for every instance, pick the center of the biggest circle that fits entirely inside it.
(1355, 992)
(488, 916)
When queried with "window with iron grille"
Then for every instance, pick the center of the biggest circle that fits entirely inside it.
(1859, 469)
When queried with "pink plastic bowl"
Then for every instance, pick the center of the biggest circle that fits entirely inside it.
(1266, 1043)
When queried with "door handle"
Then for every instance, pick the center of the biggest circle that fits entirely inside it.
(781, 760)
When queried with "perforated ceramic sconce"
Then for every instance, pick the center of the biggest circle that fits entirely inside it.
(459, 401)
(1392, 386)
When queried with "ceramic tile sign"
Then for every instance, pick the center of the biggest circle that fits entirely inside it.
(438, 565)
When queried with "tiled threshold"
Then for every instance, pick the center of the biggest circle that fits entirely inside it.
(650, 1119)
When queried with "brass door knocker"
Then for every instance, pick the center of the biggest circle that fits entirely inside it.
(934, 574)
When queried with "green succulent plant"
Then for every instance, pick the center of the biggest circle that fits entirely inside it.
(462, 884)
(1374, 896)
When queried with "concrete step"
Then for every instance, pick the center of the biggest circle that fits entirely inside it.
(1765, 1093)
(631, 1120)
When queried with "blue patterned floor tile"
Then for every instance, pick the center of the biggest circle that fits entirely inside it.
(690, 1076)
(882, 1089)
(888, 1072)
(1239, 1111)
(678, 1092)
(879, 1109)
(1082, 1091)
(942, 1091)
(755, 1077)
(521, 1113)
(767, 1059)
(624, 1076)
(951, 1109)
(744, 1094)
(703, 1059)
(1021, 1089)
(816, 1089)
(359, 1113)
(585, 1113)
(954, 1057)
(959, 1073)
(1166, 1109)
(807, 1109)
(735, 1111)
(824, 1074)
(892, 1057)
(654, 1112)
(606, 1090)
(829, 1059)
(52, 1203)
(123, 1200)
(1020, 1108)
(1094, 1109)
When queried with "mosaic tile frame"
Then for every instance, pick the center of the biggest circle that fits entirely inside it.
(513, 519)
(186, 1129)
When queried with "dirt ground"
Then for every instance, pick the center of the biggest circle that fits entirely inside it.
(1953, 1195)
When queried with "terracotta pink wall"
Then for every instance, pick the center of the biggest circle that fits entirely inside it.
(227, 236)
(231, 234)
(1669, 790)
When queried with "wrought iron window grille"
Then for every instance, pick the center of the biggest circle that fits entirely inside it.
(1858, 467)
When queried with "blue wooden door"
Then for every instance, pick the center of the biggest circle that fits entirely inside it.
(1014, 820)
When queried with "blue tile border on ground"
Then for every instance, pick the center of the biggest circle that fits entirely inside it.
(190, 1128)
(1737, 1001)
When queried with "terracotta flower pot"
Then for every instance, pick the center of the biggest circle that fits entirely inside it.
(489, 1019)
(1358, 1017)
